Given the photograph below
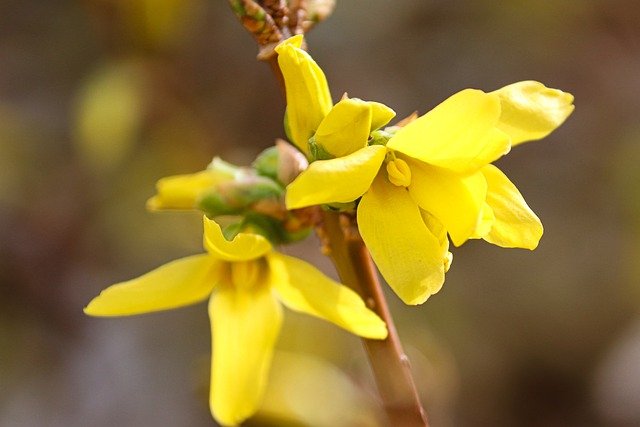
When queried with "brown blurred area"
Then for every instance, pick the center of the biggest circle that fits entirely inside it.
(100, 98)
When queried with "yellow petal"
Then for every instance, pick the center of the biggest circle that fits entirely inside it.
(245, 325)
(339, 180)
(487, 218)
(346, 128)
(183, 191)
(181, 282)
(301, 287)
(243, 247)
(437, 229)
(515, 225)
(456, 200)
(459, 134)
(406, 252)
(380, 115)
(308, 96)
(308, 390)
(531, 111)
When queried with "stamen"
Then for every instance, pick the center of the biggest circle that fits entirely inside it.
(399, 172)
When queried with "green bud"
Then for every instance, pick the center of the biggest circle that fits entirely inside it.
(266, 164)
(296, 236)
(380, 137)
(235, 197)
(291, 162)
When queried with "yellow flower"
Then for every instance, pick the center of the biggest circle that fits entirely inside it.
(246, 282)
(184, 192)
(430, 178)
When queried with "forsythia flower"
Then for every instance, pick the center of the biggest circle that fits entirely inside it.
(246, 282)
(422, 181)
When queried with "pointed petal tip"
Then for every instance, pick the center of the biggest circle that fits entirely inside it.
(176, 284)
(514, 224)
(153, 204)
(531, 111)
(294, 41)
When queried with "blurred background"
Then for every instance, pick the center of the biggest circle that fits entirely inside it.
(100, 98)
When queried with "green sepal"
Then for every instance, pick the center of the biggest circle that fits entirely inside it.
(269, 227)
(231, 231)
(237, 7)
(317, 151)
(272, 229)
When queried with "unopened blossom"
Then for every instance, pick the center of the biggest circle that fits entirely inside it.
(247, 283)
(422, 181)
(184, 192)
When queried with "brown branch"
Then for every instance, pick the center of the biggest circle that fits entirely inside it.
(389, 363)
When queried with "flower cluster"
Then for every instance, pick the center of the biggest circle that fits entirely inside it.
(245, 280)
(414, 186)
(422, 180)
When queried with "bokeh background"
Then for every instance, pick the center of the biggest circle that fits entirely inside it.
(100, 98)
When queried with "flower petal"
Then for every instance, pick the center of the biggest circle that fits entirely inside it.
(245, 325)
(487, 218)
(531, 111)
(459, 134)
(515, 225)
(243, 247)
(339, 180)
(308, 96)
(437, 229)
(303, 288)
(183, 191)
(380, 115)
(408, 255)
(181, 282)
(346, 128)
(456, 200)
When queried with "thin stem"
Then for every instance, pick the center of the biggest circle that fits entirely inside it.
(388, 361)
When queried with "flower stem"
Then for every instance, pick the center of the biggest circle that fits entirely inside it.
(388, 361)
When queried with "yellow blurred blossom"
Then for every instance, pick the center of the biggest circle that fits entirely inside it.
(184, 192)
(420, 181)
(246, 283)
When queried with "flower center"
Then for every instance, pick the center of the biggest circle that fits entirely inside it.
(245, 274)
(399, 172)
